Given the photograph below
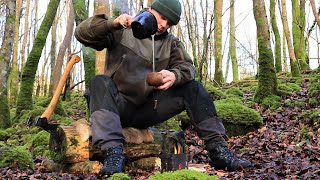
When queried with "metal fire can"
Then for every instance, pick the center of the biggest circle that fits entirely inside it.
(173, 151)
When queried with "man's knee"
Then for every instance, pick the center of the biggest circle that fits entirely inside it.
(195, 87)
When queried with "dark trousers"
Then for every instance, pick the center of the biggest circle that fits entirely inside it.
(110, 111)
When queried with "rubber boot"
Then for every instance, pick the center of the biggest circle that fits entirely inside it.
(221, 157)
(114, 162)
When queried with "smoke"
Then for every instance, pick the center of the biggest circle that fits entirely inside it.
(121, 5)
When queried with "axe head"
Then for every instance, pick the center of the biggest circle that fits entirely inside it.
(43, 123)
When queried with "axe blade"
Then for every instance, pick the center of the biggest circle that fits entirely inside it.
(43, 123)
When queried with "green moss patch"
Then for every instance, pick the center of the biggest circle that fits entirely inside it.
(237, 118)
(272, 102)
(182, 175)
(286, 89)
(38, 143)
(119, 176)
(3, 135)
(17, 156)
(314, 89)
(234, 92)
(76, 105)
(215, 93)
(311, 118)
(58, 109)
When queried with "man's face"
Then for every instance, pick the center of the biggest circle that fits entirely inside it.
(163, 23)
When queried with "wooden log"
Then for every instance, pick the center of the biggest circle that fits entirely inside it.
(72, 144)
(74, 168)
(68, 146)
(148, 163)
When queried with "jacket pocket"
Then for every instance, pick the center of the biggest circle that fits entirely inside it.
(117, 66)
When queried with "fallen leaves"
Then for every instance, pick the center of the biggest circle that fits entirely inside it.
(278, 150)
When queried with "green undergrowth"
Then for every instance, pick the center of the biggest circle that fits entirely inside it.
(314, 89)
(271, 102)
(237, 118)
(20, 143)
(311, 118)
(119, 176)
(214, 92)
(182, 175)
(15, 156)
(286, 89)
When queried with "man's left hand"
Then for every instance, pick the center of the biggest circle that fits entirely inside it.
(168, 79)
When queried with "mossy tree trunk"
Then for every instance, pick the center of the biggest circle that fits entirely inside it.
(5, 54)
(28, 75)
(295, 70)
(89, 56)
(13, 79)
(218, 76)
(298, 23)
(277, 37)
(267, 84)
(305, 62)
(232, 44)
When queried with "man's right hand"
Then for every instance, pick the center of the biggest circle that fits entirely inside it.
(124, 20)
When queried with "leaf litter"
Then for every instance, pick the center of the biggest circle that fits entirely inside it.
(278, 150)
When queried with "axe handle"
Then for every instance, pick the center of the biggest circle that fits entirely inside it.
(48, 112)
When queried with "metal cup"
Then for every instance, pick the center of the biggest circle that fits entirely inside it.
(144, 25)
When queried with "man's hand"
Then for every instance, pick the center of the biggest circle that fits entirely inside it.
(124, 20)
(168, 79)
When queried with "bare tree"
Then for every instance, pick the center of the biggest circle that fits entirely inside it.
(81, 13)
(63, 46)
(317, 20)
(101, 8)
(284, 57)
(25, 33)
(315, 13)
(191, 30)
(53, 51)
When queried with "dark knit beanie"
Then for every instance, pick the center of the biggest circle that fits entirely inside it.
(170, 9)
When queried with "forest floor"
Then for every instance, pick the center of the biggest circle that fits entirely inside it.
(285, 147)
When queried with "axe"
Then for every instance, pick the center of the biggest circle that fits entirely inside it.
(43, 120)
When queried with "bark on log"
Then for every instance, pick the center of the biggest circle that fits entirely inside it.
(74, 168)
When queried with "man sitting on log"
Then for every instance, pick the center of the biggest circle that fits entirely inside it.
(123, 98)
